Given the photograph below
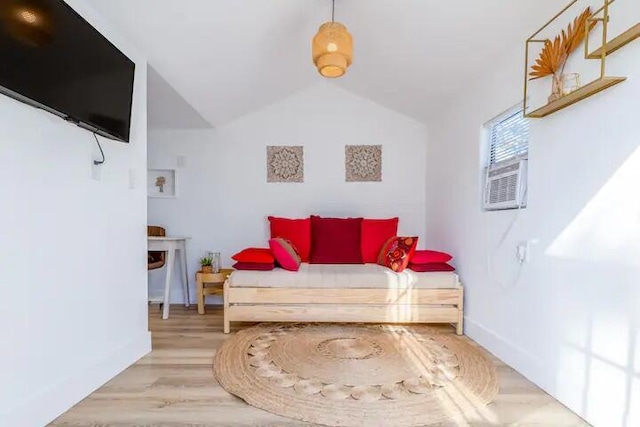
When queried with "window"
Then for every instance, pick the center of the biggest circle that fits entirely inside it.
(508, 136)
(508, 141)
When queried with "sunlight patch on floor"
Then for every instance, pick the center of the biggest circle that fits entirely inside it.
(459, 403)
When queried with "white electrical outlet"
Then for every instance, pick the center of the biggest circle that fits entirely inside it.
(181, 161)
(522, 252)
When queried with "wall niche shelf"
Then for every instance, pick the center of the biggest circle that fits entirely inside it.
(576, 96)
(628, 36)
(602, 16)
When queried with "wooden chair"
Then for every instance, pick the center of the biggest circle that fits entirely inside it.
(156, 259)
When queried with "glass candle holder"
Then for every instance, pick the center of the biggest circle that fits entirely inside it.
(570, 83)
(216, 262)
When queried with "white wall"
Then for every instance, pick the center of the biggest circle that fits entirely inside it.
(223, 194)
(570, 323)
(72, 255)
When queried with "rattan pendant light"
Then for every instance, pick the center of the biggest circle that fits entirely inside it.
(332, 48)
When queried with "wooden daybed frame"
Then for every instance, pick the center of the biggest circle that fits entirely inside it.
(375, 305)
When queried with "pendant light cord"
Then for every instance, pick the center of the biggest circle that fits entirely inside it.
(333, 11)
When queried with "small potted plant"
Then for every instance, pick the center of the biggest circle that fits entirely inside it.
(206, 264)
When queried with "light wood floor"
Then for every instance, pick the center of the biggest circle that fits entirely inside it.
(174, 386)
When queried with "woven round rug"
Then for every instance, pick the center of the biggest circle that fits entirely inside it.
(356, 375)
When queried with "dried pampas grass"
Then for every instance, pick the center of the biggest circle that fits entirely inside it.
(555, 53)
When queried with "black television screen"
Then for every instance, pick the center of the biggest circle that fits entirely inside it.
(52, 58)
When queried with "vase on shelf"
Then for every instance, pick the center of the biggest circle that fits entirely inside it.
(207, 269)
(570, 83)
(556, 88)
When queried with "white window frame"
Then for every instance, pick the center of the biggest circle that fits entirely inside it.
(489, 143)
(504, 118)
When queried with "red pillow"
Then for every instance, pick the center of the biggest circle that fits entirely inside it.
(374, 233)
(297, 231)
(285, 253)
(336, 240)
(255, 255)
(396, 252)
(430, 257)
(253, 266)
(436, 266)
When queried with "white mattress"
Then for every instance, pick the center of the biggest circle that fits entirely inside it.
(344, 276)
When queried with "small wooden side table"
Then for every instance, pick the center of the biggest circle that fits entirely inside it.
(215, 282)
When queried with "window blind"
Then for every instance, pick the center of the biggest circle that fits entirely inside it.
(509, 136)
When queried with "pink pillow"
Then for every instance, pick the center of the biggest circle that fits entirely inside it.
(285, 254)
(336, 240)
(438, 266)
(397, 251)
(430, 257)
(253, 266)
(374, 233)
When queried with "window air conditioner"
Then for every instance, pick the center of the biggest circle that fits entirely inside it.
(506, 185)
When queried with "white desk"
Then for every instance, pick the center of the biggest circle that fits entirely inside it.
(171, 245)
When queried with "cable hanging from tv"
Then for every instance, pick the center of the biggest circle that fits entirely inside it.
(99, 162)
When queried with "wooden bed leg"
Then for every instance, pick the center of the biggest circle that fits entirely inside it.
(225, 298)
(460, 324)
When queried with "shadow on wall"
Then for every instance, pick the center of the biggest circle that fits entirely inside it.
(609, 386)
(608, 227)
(606, 359)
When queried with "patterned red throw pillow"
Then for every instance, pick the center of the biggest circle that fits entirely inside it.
(397, 251)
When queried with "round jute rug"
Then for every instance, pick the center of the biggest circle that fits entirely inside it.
(356, 375)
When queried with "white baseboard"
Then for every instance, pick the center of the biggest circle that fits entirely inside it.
(176, 297)
(514, 356)
(522, 361)
(46, 404)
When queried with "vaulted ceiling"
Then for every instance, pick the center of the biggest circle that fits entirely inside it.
(227, 58)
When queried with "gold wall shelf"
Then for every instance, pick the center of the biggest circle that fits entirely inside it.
(628, 36)
(606, 47)
(576, 96)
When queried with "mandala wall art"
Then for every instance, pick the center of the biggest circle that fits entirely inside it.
(363, 163)
(285, 164)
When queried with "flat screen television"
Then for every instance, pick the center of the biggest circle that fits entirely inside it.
(50, 57)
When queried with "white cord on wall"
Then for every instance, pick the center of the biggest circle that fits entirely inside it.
(491, 254)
